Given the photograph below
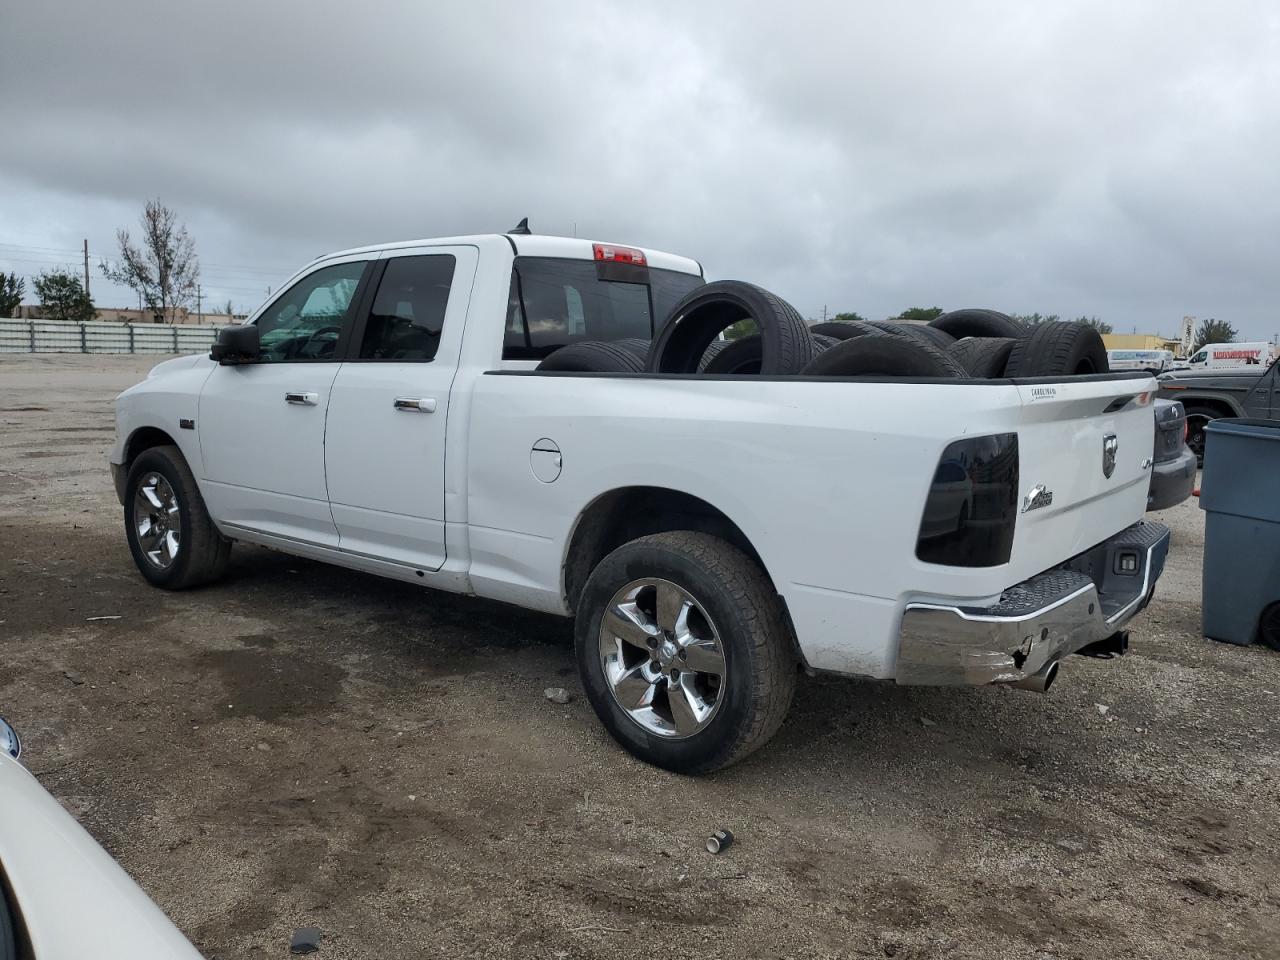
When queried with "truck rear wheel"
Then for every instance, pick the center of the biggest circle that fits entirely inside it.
(171, 536)
(684, 651)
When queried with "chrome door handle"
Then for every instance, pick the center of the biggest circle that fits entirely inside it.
(305, 399)
(416, 405)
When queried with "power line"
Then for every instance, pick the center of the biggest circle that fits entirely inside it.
(68, 253)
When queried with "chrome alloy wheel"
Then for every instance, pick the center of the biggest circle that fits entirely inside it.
(662, 658)
(157, 520)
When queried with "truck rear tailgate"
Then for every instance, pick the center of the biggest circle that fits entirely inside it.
(1084, 452)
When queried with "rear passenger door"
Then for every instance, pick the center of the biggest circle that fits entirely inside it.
(384, 447)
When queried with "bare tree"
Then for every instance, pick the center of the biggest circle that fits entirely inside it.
(163, 269)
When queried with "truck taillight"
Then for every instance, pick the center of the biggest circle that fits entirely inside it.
(609, 253)
(972, 507)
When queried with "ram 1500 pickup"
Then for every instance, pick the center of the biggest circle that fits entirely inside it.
(712, 535)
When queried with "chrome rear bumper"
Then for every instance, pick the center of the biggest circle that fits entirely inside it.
(1036, 622)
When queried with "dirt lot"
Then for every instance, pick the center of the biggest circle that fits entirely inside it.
(302, 745)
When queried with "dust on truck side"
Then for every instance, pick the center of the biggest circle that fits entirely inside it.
(385, 412)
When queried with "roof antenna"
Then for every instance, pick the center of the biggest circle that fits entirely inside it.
(521, 229)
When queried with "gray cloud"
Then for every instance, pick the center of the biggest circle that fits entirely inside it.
(1081, 157)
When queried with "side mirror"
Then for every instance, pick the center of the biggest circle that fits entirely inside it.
(237, 344)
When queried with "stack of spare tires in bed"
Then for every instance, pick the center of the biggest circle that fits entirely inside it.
(981, 344)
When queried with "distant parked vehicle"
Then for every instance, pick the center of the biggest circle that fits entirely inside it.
(1222, 355)
(1231, 392)
(1153, 361)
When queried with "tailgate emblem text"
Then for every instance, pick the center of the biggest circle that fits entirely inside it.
(1109, 447)
(1037, 497)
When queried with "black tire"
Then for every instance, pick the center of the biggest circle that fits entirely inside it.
(706, 311)
(920, 331)
(760, 667)
(592, 356)
(742, 356)
(983, 357)
(1269, 627)
(1197, 419)
(202, 552)
(712, 351)
(843, 329)
(886, 356)
(823, 343)
(975, 322)
(1060, 348)
(634, 345)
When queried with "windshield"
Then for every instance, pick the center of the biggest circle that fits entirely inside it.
(557, 301)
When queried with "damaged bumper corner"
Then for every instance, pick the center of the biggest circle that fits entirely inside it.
(1037, 622)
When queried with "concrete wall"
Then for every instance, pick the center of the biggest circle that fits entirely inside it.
(52, 336)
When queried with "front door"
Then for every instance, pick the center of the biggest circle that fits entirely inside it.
(385, 445)
(261, 424)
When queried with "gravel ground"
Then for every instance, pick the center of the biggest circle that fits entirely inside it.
(302, 745)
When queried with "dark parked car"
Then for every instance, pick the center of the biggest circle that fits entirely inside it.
(1230, 392)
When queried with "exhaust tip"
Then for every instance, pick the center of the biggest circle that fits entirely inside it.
(1050, 675)
(1039, 682)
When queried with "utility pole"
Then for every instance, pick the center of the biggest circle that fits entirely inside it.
(86, 266)
(199, 310)
(824, 313)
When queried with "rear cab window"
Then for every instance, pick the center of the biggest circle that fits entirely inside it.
(556, 301)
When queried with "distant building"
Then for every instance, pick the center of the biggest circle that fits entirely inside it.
(1141, 341)
(183, 316)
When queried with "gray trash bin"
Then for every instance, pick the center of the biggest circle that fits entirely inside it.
(1240, 495)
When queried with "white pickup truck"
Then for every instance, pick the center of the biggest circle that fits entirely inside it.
(712, 534)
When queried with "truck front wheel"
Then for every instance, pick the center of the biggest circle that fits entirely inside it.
(684, 651)
(171, 536)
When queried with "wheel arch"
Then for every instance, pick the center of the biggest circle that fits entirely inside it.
(144, 438)
(625, 513)
(1224, 406)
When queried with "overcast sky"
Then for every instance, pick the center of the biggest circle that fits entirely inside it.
(1101, 158)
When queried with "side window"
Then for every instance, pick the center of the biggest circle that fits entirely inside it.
(408, 309)
(1199, 357)
(304, 324)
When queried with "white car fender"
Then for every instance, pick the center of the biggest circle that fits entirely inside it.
(72, 899)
